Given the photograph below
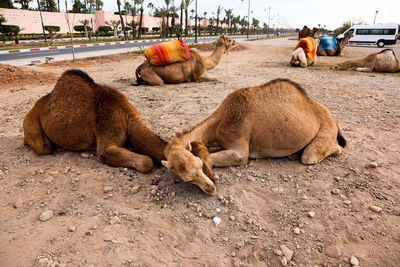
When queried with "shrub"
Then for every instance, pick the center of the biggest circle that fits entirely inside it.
(81, 28)
(105, 29)
(156, 29)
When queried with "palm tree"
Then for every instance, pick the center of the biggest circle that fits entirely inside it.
(228, 14)
(133, 11)
(121, 19)
(182, 7)
(167, 3)
(218, 13)
(235, 21)
(140, 2)
(99, 4)
(151, 7)
(173, 10)
(210, 25)
(187, 4)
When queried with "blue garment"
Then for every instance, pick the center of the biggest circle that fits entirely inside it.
(328, 43)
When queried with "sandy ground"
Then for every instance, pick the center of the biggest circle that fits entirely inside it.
(105, 216)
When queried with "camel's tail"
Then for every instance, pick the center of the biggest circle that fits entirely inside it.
(139, 79)
(340, 138)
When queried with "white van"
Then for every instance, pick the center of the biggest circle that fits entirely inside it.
(379, 34)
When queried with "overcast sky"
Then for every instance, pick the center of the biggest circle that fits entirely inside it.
(294, 13)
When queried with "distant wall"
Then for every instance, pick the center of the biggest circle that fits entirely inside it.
(29, 21)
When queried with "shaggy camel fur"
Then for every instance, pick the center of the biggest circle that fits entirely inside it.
(384, 61)
(306, 32)
(80, 115)
(276, 119)
(194, 69)
(299, 58)
(338, 50)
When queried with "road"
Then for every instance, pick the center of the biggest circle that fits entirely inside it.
(18, 59)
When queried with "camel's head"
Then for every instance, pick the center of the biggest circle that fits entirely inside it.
(225, 41)
(191, 162)
(348, 35)
(314, 30)
(337, 67)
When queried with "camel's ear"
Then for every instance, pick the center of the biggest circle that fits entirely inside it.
(167, 164)
(189, 146)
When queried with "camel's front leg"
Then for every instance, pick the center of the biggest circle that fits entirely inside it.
(366, 69)
(121, 157)
(230, 157)
(205, 78)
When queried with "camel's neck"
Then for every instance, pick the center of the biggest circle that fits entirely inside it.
(344, 42)
(145, 141)
(212, 60)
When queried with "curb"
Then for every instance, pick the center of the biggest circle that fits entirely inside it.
(87, 45)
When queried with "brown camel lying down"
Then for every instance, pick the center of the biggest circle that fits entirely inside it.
(384, 61)
(80, 115)
(276, 119)
(192, 70)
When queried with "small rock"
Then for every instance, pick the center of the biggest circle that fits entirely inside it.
(218, 210)
(251, 178)
(335, 191)
(284, 261)
(311, 214)
(115, 220)
(372, 165)
(278, 252)
(46, 215)
(296, 230)
(217, 220)
(347, 202)
(354, 261)
(375, 208)
(54, 173)
(48, 180)
(71, 228)
(225, 238)
(85, 155)
(287, 252)
(94, 227)
(107, 189)
(153, 192)
(232, 218)
(333, 252)
(249, 221)
(17, 204)
(108, 237)
(233, 254)
(240, 244)
(135, 189)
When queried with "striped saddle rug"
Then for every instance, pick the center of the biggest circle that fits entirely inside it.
(167, 53)
(328, 43)
(308, 45)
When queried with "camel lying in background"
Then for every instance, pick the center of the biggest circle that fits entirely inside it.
(339, 47)
(300, 57)
(80, 115)
(276, 119)
(384, 61)
(306, 32)
(192, 70)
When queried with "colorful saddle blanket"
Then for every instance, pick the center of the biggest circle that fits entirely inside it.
(167, 53)
(308, 45)
(328, 43)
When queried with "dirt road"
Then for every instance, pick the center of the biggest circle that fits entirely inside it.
(343, 207)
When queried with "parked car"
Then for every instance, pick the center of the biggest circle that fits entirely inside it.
(379, 34)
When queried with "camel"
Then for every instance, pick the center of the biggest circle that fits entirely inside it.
(339, 46)
(306, 32)
(384, 61)
(80, 115)
(300, 57)
(276, 119)
(194, 69)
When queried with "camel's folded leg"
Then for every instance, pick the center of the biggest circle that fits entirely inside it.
(230, 157)
(366, 69)
(205, 78)
(34, 135)
(151, 77)
(324, 144)
(121, 157)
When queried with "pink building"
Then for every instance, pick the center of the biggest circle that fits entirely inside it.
(29, 21)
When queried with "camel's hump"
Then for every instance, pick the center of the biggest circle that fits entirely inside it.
(81, 74)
